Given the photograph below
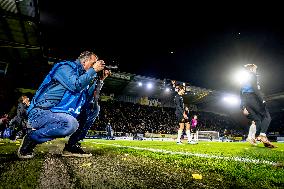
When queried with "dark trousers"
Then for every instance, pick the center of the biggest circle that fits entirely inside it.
(2, 129)
(257, 112)
(108, 131)
(16, 130)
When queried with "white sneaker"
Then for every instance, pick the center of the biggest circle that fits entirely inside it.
(179, 142)
(191, 142)
(252, 141)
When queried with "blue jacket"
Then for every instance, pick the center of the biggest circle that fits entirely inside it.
(65, 88)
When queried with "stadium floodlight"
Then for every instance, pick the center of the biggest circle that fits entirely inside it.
(140, 84)
(242, 76)
(149, 85)
(231, 100)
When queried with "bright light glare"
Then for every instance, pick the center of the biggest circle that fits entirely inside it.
(167, 90)
(149, 86)
(231, 100)
(140, 84)
(242, 77)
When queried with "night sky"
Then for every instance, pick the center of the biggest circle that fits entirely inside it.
(200, 44)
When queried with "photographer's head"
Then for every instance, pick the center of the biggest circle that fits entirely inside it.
(88, 59)
(181, 90)
(251, 67)
(24, 99)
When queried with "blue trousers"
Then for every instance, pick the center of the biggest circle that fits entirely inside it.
(49, 125)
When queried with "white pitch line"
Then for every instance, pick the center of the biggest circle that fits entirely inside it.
(238, 159)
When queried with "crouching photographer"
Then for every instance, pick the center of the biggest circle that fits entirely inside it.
(61, 106)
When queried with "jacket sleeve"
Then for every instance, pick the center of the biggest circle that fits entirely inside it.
(178, 105)
(67, 76)
(21, 110)
(243, 102)
(258, 93)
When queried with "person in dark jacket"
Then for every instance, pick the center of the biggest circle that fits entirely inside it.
(20, 121)
(181, 115)
(253, 105)
(4, 122)
(109, 131)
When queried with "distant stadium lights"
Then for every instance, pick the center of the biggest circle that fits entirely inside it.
(149, 85)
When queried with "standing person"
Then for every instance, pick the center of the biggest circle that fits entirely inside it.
(193, 125)
(109, 131)
(181, 115)
(253, 105)
(59, 100)
(20, 121)
(4, 120)
(188, 127)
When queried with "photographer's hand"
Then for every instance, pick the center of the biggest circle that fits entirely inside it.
(99, 65)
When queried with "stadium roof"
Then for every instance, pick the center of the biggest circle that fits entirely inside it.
(127, 84)
(21, 56)
(19, 31)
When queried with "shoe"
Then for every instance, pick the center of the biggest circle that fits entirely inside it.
(26, 150)
(74, 151)
(252, 141)
(265, 141)
(191, 142)
(179, 142)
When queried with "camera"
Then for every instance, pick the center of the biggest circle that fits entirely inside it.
(111, 67)
(107, 67)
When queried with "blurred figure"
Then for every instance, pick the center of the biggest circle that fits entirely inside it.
(193, 126)
(20, 121)
(109, 131)
(4, 120)
(253, 105)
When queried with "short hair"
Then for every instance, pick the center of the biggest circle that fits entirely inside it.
(180, 87)
(249, 66)
(21, 98)
(86, 55)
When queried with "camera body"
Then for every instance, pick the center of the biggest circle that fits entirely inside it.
(107, 67)
(111, 67)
